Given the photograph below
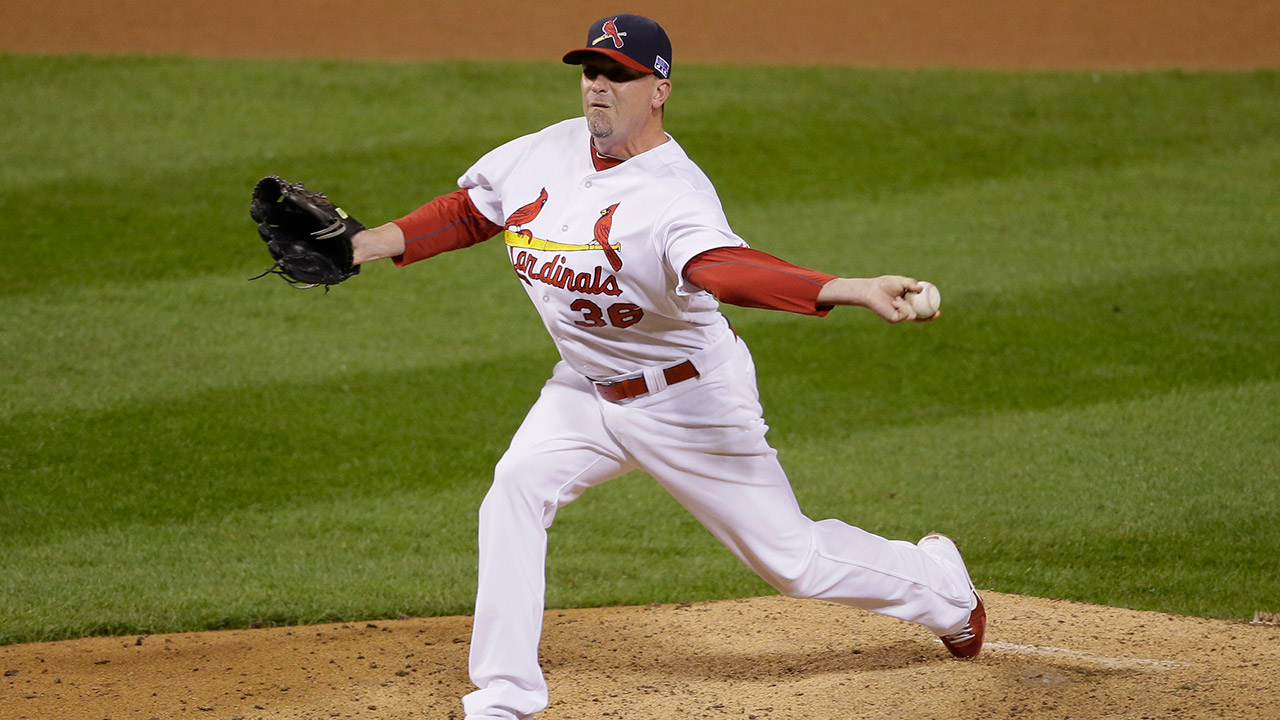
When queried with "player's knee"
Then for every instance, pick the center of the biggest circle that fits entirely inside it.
(514, 494)
(792, 576)
(795, 587)
(508, 490)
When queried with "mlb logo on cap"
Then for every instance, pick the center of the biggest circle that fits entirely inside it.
(633, 40)
(661, 67)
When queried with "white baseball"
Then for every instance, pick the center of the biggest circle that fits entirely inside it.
(927, 301)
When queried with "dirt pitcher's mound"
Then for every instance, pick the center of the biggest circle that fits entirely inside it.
(764, 658)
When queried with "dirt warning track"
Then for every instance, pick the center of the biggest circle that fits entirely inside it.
(999, 34)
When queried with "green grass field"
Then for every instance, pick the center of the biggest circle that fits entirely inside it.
(1094, 417)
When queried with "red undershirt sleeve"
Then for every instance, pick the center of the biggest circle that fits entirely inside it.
(749, 278)
(450, 222)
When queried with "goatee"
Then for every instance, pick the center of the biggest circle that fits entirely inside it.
(598, 125)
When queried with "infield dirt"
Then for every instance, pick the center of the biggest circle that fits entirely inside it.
(763, 658)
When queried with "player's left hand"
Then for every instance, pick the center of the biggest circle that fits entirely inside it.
(306, 234)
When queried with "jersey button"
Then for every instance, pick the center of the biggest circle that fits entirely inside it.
(587, 184)
(564, 228)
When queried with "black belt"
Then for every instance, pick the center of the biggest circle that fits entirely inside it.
(633, 387)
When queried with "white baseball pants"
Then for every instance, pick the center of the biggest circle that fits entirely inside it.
(704, 441)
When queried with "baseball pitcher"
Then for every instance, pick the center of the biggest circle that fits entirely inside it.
(622, 245)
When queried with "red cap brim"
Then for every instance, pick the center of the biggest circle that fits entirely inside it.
(574, 57)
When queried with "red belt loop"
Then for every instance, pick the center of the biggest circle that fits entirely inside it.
(636, 386)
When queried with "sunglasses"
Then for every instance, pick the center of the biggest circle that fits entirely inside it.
(613, 72)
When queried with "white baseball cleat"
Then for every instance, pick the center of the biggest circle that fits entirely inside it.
(967, 641)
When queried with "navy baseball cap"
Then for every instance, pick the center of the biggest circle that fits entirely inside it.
(635, 41)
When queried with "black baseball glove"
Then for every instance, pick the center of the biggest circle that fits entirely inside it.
(307, 235)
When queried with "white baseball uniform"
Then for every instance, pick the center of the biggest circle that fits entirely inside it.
(602, 254)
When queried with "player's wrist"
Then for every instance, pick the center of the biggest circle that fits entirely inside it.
(377, 243)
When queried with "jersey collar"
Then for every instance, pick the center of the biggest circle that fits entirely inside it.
(601, 161)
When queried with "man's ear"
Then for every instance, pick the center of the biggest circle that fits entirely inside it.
(661, 91)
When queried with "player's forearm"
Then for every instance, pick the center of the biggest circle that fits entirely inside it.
(384, 241)
(845, 291)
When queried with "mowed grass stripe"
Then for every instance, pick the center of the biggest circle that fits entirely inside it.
(1166, 503)
(111, 117)
(1079, 346)
(1122, 336)
(1057, 226)
(119, 167)
(92, 346)
(94, 349)
(1089, 503)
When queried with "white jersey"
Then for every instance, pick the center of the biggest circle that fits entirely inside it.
(601, 253)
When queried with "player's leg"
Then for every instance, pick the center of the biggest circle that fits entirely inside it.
(705, 443)
(559, 451)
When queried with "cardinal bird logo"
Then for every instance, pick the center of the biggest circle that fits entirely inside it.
(519, 239)
(603, 225)
(525, 215)
(610, 30)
